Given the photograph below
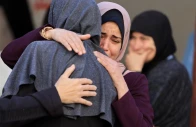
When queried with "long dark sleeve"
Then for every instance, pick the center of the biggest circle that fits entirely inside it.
(134, 108)
(12, 52)
(37, 105)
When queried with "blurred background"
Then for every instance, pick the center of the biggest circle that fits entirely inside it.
(17, 17)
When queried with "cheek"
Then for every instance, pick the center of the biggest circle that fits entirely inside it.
(131, 43)
(115, 50)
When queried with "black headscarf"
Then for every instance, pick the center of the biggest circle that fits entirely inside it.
(114, 16)
(155, 24)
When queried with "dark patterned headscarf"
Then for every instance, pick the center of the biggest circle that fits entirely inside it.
(156, 24)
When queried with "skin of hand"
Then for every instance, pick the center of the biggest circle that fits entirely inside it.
(69, 39)
(141, 50)
(135, 61)
(72, 90)
(115, 72)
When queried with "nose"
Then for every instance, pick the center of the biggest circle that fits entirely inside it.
(136, 45)
(104, 44)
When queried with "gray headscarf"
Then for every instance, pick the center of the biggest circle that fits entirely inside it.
(43, 62)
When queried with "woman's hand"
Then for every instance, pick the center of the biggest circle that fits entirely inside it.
(72, 90)
(69, 39)
(135, 61)
(115, 72)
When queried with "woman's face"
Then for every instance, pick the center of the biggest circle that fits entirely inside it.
(141, 43)
(111, 39)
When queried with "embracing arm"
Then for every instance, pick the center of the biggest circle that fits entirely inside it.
(14, 49)
(134, 108)
(34, 105)
(68, 39)
(37, 105)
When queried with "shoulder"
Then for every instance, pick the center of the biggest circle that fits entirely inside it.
(170, 65)
(169, 69)
(134, 76)
(43, 43)
(45, 46)
(136, 80)
(168, 74)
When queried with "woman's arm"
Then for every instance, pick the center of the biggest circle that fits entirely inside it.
(37, 105)
(134, 108)
(70, 40)
(47, 102)
(14, 49)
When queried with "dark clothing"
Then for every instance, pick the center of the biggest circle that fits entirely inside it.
(21, 43)
(170, 93)
(36, 105)
(169, 84)
(43, 67)
(40, 106)
(133, 109)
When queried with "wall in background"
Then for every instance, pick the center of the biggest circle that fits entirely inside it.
(37, 8)
(4, 73)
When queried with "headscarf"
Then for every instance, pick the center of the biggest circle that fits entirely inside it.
(156, 24)
(43, 62)
(104, 7)
(114, 16)
(75, 18)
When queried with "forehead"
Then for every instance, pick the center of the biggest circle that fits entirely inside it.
(110, 28)
(138, 34)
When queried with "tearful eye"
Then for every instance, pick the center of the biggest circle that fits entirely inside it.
(116, 41)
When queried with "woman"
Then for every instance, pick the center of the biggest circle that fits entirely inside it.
(64, 92)
(151, 52)
(44, 61)
(132, 106)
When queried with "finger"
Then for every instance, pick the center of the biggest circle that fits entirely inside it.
(100, 55)
(88, 94)
(69, 71)
(81, 45)
(85, 102)
(76, 42)
(89, 87)
(71, 42)
(67, 46)
(102, 62)
(84, 37)
(84, 81)
(102, 59)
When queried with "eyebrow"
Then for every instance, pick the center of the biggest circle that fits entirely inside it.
(112, 36)
(116, 37)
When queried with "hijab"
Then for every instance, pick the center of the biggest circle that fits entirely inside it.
(43, 62)
(114, 16)
(105, 8)
(156, 25)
